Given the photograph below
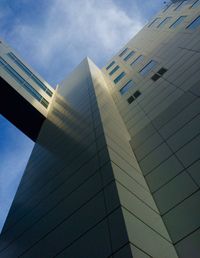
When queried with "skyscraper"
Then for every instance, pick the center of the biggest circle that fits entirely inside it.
(115, 167)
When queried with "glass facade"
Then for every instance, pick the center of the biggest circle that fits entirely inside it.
(145, 70)
(23, 83)
(29, 73)
(119, 77)
(178, 21)
(126, 87)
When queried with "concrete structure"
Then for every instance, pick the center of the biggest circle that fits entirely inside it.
(115, 168)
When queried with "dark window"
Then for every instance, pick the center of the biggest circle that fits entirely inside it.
(130, 99)
(134, 96)
(159, 73)
(162, 71)
(155, 77)
(137, 94)
(111, 64)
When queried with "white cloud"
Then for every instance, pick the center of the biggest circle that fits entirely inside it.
(72, 30)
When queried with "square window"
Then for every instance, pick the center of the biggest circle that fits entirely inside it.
(137, 94)
(162, 71)
(155, 77)
(130, 99)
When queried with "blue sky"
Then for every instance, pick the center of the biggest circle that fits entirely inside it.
(53, 37)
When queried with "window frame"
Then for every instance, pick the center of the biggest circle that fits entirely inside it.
(176, 22)
(28, 72)
(114, 70)
(191, 28)
(164, 22)
(126, 87)
(135, 62)
(154, 21)
(110, 65)
(18, 78)
(123, 52)
(181, 4)
(119, 77)
(194, 4)
(126, 58)
(146, 66)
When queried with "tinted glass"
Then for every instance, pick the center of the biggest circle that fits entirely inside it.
(118, 78)
(137, 60)
(195, 24)
(129, 55)
(178, 21)
(23, 83)
(148, 67)
(179, 6)
(114, 70)
(30, 74)
(195, 4)
(111, 64)
(126, 87)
